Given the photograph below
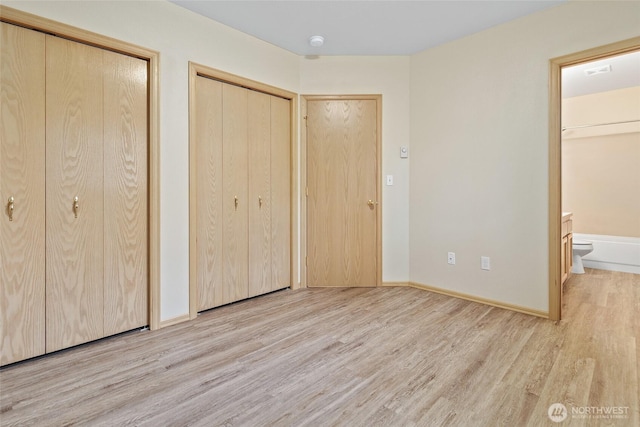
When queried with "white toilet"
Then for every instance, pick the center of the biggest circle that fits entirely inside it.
(580, 249)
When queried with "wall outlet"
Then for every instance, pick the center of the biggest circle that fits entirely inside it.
(485, 263)
(451, 258)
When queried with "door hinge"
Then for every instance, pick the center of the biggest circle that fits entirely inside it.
(305, 120)
(306, 191)
(306, 261)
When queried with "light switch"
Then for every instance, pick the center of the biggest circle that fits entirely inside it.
(404, 152)
(389, 179)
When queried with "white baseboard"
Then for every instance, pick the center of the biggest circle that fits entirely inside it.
(623, 268)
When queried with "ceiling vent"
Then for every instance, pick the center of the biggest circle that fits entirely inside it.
(598, 70)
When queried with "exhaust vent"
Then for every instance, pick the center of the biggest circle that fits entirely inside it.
(598, 70)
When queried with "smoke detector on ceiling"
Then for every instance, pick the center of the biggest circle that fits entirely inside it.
(598, 70)
(316, 41)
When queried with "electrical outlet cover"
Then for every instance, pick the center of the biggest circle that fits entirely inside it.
(451, 258)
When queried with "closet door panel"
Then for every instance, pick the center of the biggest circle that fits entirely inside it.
(74, 168)
(235, 204)
(22, 156)
(209, 193)
(259, 136)
(125, 193)
(280, 192)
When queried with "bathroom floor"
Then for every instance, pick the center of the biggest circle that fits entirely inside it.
(601, 311)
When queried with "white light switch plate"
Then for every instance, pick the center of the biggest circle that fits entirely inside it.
(389, 179)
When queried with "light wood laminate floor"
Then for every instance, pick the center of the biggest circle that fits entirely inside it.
(350, 357)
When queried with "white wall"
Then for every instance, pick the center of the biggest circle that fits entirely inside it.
(479, 141)
(389, 76)
(179, 36)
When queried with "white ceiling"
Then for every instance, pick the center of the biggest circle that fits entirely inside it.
(363, 27)
(396, 27)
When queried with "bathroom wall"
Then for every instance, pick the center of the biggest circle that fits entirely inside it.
(479, 143)
(601, 165)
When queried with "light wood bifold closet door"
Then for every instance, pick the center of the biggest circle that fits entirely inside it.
(269, 193)
(83, 191)
(280, 193)
(209, 192)
(242, 192)
(75, 245)
(126, 211)
(259, 125)
(22, 145)
(234, 194)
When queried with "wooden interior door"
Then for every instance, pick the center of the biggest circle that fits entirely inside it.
(22, 161)
(208, 128)
(342, 185)
(235, 202)
(126, 256)
(259, 137)
(74, 168)
(280, 193)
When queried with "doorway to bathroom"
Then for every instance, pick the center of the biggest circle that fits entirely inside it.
(587, 123)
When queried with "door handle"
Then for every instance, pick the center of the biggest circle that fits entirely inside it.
(10, 208)
(76, 206)
(371, 204)
(260, 201)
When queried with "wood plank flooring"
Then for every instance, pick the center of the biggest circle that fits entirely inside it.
(350, 357)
